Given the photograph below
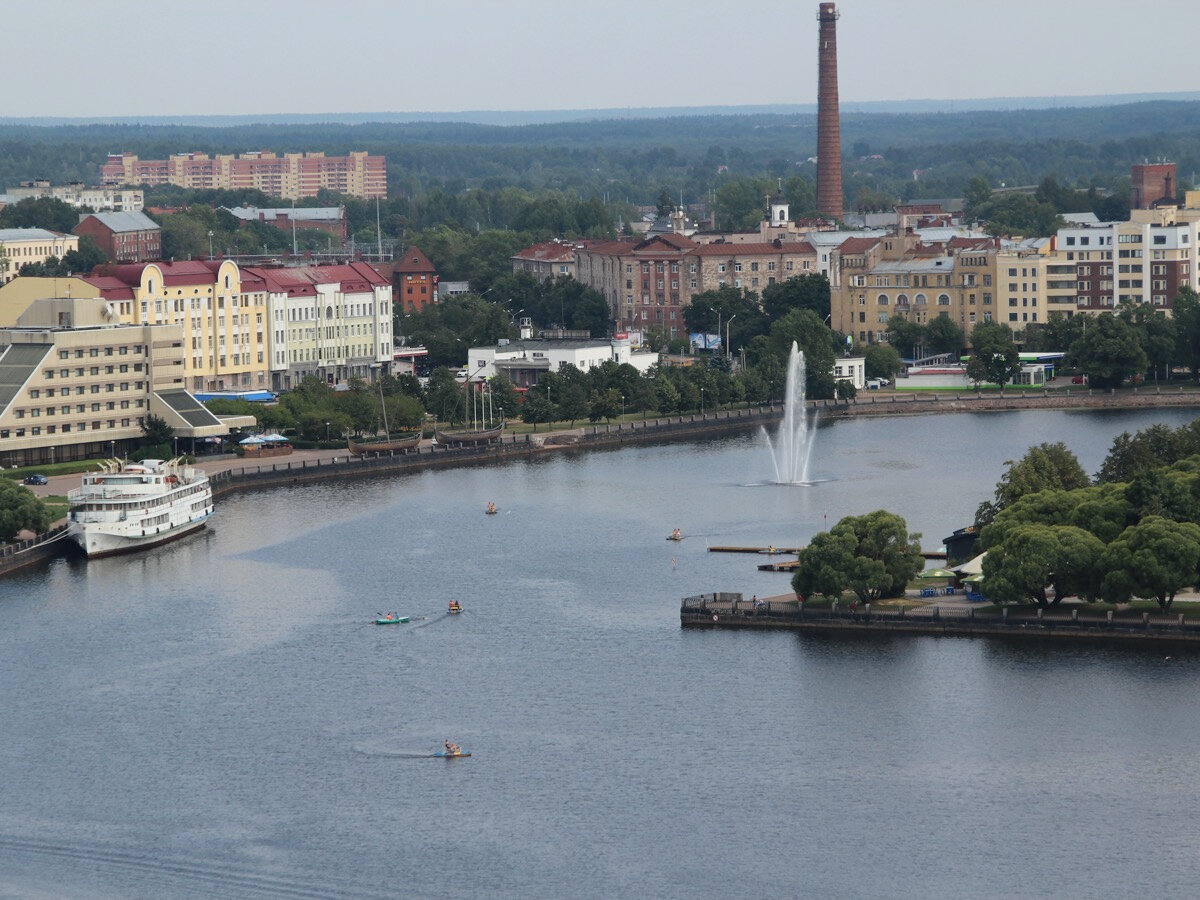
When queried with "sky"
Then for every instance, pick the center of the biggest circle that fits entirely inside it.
(246, 57)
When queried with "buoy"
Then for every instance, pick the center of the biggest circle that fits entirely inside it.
(714, 617)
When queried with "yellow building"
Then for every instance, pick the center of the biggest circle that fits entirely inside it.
(75, 383)
(19, 246)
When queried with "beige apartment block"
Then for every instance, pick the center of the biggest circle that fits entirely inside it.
(75, 383)
(19, 246)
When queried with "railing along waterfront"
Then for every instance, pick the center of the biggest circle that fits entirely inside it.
(731, 610)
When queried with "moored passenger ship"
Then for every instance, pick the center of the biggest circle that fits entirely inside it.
(132, 506)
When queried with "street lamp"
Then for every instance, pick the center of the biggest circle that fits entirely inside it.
(622, 406)
(210, 250)
(112, 449)
(701, 401)
(728, 322)
(327, 432)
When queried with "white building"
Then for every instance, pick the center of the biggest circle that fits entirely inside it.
(522, 361)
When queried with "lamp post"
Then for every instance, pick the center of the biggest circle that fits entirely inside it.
(327, 432)
(701, 401)
(112, 449)
(728, 322)
(210, 250)
(622, 406)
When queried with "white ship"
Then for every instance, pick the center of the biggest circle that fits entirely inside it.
(132, 506)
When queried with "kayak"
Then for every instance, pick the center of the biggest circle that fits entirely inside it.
(396, 620)
(441, 754)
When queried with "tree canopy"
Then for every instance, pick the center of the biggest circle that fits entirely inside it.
(872, 556)
(20, 509)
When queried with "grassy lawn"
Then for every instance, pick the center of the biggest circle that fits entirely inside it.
(61, 468)
(57, 504)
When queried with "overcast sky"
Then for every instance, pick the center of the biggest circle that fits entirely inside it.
(99, 58)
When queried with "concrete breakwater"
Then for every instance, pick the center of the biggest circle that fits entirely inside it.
(730, 610)
(912, 404)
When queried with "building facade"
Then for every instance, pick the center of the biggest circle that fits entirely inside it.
(331, 219)
(414, 281)
(290, 175)
(100, 199)
(125, 237)
(19, 246)
(547, 260)
(329, 322)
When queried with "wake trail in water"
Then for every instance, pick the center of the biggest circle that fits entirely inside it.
(223, 880)
(367, 750)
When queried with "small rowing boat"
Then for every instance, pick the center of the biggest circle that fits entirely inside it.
(391, 619)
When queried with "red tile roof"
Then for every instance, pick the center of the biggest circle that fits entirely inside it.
(766, 248)
(412, 262)
(857, 244)
(549, 251)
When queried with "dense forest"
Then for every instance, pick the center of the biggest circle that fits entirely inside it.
(889, 156)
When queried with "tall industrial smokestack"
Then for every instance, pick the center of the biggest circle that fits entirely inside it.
(829, 139)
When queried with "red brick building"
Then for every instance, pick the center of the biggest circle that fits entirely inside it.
(414, 281)
(125, 237)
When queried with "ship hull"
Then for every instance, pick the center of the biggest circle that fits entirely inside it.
(96, 543)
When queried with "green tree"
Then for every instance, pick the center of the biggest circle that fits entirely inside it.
(537, 409)
(872, 555)
(49, 213)
(1156, 558)
(1046, 467)
(1108, 351)
(995, 358)
(156, 431)
(1043, 564)
(810, 291)
(604, 404)
(882, 361)
(20, 510)
(905, 336)
(811, 335)
(943, 336)
(1186, 315)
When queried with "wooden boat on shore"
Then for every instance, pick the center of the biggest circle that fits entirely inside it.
(478, 436)
(386, 445)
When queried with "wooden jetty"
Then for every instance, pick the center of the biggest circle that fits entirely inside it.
(769, 550)
(730, 610)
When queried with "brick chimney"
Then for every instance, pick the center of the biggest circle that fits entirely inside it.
(829, 140)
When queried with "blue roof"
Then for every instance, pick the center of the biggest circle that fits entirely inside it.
(252, 396)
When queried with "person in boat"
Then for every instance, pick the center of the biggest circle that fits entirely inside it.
(452, 749)
(676, 536)
(491, 507)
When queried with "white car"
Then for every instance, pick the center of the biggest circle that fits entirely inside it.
(874, 384)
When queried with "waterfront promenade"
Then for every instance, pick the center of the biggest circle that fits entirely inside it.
(1070, 623)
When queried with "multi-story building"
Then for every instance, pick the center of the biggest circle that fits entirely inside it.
(899, 274)
(100, 199)
(331, 322)
(547, 260)
(124, 237)
(244, 329)
(649, 283)
(414, 281)
(19, 246)
(1151, 184)
(1145, 260)
(290, 176)
(76, 383)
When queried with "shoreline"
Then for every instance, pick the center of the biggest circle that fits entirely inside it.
(234, 475)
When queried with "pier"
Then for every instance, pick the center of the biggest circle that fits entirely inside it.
(1132, 628)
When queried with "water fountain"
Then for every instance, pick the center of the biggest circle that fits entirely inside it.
(792, 446)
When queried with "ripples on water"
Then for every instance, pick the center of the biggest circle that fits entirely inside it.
(221, 718)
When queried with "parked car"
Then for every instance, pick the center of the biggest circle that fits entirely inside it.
(36, 479)
(874, 384)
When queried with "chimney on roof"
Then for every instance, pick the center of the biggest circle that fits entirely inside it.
(829, 141)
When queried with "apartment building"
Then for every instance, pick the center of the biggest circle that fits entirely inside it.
(547, 260)
(100, 199)
(900, 274)
(331, 322)
(19, 246)
(290, 175)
